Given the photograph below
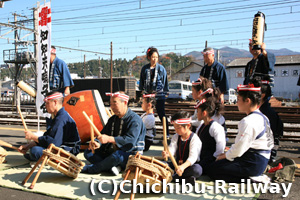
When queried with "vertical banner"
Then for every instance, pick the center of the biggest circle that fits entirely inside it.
(44, 49)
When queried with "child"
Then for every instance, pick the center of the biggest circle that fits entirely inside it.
(198, 87)
(149, 119)
(250, 153)
(186, 147)
(202, 89)
(275, 121)
(211, 133)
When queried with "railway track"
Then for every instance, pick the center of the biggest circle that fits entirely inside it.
(289, 115)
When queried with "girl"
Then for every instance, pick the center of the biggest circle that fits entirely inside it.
(153, 79)
(149, 119)
(250, 153)
(186, 147)
(201, 89)
(211, 133)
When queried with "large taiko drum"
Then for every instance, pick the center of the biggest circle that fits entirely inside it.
(91, 102)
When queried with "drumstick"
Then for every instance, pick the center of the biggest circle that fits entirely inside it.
(166, 145)
(92, 135)
(5, 144)
(165, 136)
(91, 123)
(107, 112)
(23, 121)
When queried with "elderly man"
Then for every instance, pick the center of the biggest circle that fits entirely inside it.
(262, 65)
(123, 135)
(59, 75)
(214, 71)
(62, 132)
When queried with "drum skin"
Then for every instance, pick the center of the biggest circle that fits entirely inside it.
(91, 102)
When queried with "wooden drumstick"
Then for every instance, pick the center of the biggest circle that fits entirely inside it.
(166, 147)
(107, 112)
(5, 144)
(92, 135)
(165, 136)
(125, 178)
(23, 121)
(91, 123)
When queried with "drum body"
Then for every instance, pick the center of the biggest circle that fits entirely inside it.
(3, 154)
(149, 168)
(63, 161)
(91, 102)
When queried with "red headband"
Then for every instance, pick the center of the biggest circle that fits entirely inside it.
(209, 90)
(198, 82)
(118, 94)
(208, 52)
(53, 51)
(199, 103)
(182, 121)
(53, 96)
(265, 82)
(148, 95)
(249, 87)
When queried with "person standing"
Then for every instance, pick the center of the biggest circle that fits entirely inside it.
(59, 74)
(262, 65)
(153, 79)
(214, 71)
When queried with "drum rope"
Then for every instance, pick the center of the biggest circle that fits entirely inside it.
(65, 161)
(153, 167)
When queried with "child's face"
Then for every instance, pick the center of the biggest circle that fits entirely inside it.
(242, 105)
(196, 94)
(145, 105)
(200, 115)
(181, 130)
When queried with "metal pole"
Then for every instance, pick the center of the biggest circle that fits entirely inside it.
(84, 72)
(111, 68)
(99, 68)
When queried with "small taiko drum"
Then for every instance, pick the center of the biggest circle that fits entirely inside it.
(63, 161)
(91, 102)
(149, 168)
(3, 154)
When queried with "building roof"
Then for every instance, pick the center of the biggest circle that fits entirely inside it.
(280, 60)
(191, 64)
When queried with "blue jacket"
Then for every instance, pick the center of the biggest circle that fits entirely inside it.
(158, 85)
(59, 76)
(62, 133)
(218, 75)
(129, 132)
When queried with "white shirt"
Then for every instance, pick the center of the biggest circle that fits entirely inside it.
(194, 148)
(248, 129)
(149, 121)
(217, 132)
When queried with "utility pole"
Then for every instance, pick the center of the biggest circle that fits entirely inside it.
(100, 72)
(111, 68)
(170, 67)
(84, 67)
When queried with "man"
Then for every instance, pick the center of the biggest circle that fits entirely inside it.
(214, 71)
(62, 132)
(123, 135)
(262, 65)
(59, 76)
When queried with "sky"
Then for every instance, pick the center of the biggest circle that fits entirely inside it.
(178, 26)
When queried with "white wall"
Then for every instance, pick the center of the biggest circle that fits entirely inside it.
(285, 81)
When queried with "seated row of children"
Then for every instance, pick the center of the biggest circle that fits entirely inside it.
(202, 152)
